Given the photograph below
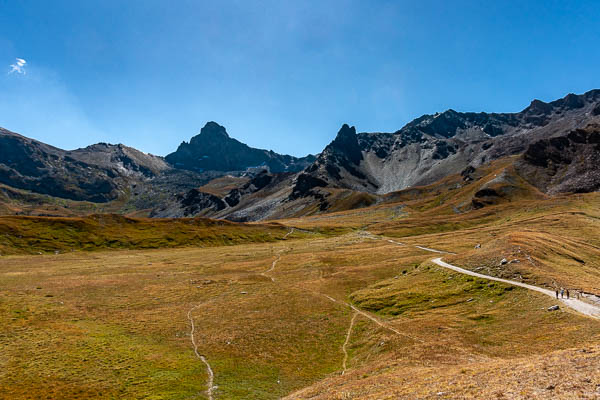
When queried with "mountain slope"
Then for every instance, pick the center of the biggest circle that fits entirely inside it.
(423, 152)
(558, 140)
(434, 146)
(99, 173)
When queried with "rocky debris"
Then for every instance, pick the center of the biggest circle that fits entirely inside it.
(255, 184)
(467, 173)
(304, 186)
(214, 150)
(195, 201)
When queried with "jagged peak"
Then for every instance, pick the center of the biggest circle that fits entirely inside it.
(347, 130)
(346, 141)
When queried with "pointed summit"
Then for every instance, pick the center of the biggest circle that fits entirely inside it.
(211, 131)
(346, 142)
(213, 150)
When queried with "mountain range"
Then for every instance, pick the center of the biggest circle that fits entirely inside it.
(554, 147)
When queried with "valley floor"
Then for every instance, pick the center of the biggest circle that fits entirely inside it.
(362, 314)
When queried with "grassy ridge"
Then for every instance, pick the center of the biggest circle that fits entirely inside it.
(28, 235)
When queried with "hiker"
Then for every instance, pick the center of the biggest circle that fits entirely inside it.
(562, 293)
(567, 294)
(557, 293)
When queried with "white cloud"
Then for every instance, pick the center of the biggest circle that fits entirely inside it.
(44, 108)
(18, 66)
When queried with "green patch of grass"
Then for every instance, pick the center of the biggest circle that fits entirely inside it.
(419, 291)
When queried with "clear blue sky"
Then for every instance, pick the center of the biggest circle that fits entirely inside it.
(281, 75)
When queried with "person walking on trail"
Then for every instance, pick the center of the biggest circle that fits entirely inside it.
(567, 294)
(562, 293)
(557, 293)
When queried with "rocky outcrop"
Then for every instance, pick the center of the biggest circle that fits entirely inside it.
(214, 150)
(566, 163)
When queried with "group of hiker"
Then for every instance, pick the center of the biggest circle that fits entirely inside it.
(564, 291)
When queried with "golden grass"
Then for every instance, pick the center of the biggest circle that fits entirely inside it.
(113, 324)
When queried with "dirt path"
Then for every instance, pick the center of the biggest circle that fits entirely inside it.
(394, 242)
(372, 318)
(289, 233)
(577, 305)
(433, 250)
(211, 375)
(346, 342)
(272, 267)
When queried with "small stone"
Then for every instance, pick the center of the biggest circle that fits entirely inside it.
(504, 261)
(553, 308)
(550, 387)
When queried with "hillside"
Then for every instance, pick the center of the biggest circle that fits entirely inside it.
(284, 310)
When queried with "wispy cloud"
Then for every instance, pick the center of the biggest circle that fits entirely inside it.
(18, 66)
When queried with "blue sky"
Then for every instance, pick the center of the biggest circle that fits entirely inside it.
(281, 75)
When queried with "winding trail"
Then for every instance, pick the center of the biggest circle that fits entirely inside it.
(346, 342)
(577, 305)
(372, 318)
(582, 307)
(398, 243)
(289, 233)
(272, 268)
(433, 250)
(211, 375)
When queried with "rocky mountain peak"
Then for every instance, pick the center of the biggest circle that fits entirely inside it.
(538, 107)
(211, 132)
(214, 150)
(573, 101)
(346, 142)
